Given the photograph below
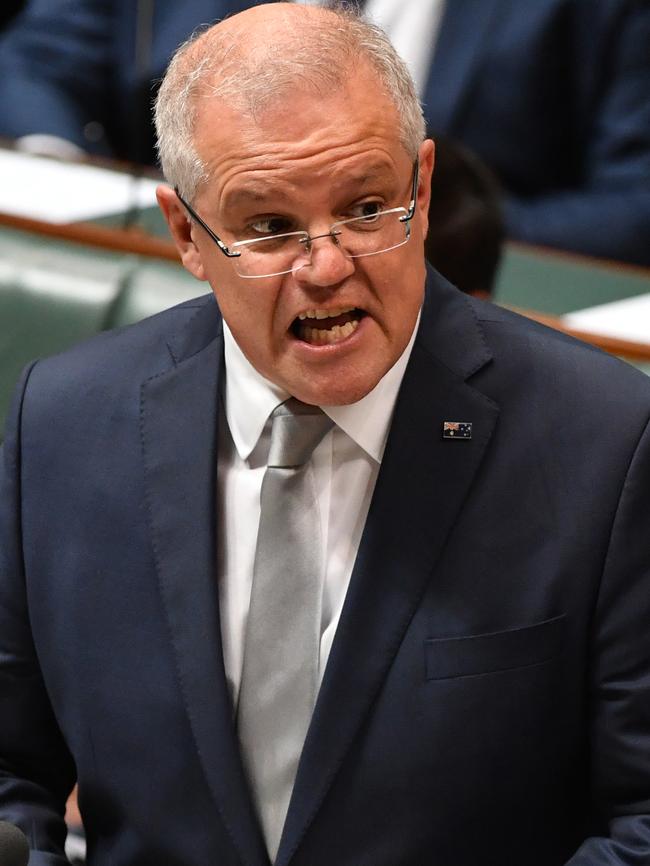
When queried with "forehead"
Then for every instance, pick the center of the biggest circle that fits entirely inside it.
(302, 137)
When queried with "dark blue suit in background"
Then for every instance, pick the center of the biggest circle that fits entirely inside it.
(67, 63)
(487, 696)
(553, 94)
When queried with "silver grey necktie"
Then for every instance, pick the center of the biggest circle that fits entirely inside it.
(281, 651)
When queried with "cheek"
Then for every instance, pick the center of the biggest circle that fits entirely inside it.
(240, 303)
(250, 316)
(400, 290)
(404, 306)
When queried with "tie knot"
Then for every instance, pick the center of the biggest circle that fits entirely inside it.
(297, 430)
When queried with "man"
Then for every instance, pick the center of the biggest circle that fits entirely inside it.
(553, 95)
(475, 538)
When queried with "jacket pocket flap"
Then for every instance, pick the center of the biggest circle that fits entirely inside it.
(496, 651)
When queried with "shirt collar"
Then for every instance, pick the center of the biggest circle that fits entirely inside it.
(250, 399)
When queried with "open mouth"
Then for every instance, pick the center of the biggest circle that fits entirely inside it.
(325, 327)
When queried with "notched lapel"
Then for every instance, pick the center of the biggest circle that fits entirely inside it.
(422, 484)
(179, 440)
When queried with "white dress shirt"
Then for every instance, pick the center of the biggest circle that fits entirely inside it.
(413, 27)
(345, 464)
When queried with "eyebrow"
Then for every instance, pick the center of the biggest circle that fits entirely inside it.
(245, 196)
(256, 193)
(372, 175)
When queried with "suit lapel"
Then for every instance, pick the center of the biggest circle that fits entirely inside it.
(421, 486)
(179, 426)
(464, 32)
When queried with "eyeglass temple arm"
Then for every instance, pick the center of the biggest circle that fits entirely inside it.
(188, 207)
(414, 192)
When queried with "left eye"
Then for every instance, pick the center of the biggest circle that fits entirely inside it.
(367, 209)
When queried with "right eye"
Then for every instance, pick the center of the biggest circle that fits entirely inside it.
(270, 225)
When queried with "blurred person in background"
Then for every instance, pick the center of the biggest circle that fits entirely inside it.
(466, 229)
(9, 9)
(553, 95)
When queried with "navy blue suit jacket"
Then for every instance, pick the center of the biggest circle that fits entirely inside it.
(552, 94)
(487, 696)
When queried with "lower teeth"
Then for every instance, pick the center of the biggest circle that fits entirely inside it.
(324, 336)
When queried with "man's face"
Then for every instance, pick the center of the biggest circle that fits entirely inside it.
(306, 163)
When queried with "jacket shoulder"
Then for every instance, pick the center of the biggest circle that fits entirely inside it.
(527, 352)
(114, 364)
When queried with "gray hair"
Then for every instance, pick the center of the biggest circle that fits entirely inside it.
(319, 54)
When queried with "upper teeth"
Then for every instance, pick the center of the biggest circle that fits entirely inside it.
(325, 314)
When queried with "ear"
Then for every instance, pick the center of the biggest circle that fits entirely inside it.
(427, 160)
(181, 227)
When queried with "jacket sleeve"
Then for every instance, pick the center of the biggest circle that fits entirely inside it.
(620, 684)
(36, 770)
(608, 225)
(55, 68)
(607, 213)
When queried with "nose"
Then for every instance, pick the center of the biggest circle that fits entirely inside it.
(324, 264)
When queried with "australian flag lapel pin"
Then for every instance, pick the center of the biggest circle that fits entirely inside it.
(456, 429)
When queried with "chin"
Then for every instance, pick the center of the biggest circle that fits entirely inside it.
(337, 393)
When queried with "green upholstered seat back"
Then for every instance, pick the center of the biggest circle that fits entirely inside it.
(559, 284)
(52, 294)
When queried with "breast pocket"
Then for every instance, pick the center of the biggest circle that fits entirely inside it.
(475, 655)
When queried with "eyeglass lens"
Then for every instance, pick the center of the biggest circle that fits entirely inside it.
(356, 237)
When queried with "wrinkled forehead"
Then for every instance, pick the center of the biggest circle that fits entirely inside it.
(291, 106)
(256, 85)
(303, 134)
